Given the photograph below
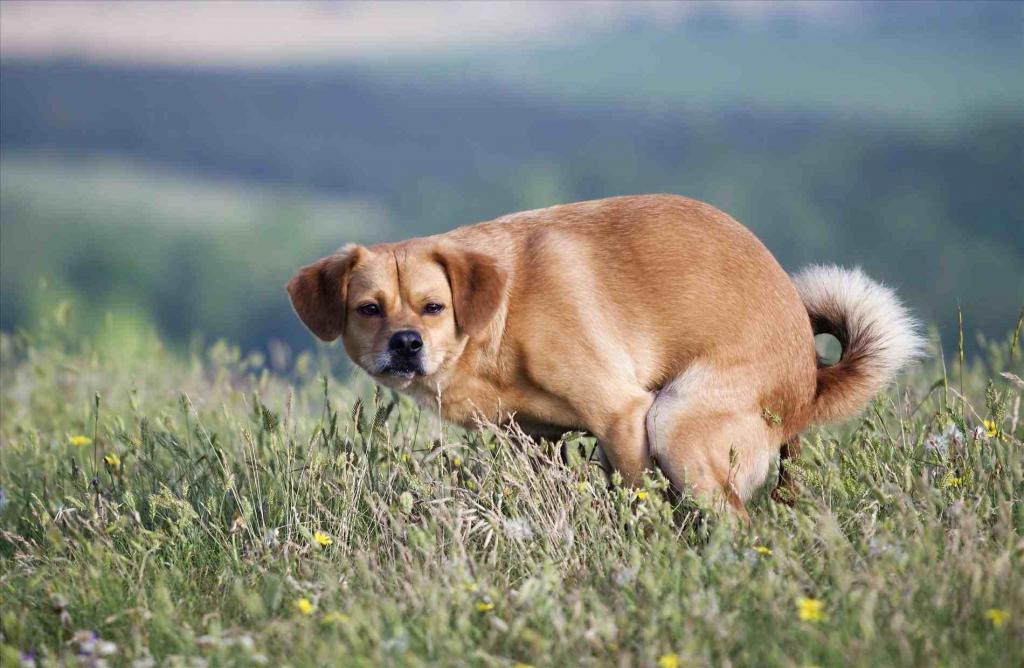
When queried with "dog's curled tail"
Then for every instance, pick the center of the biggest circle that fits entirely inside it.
(878, 335)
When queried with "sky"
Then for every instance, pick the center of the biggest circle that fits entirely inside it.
(260, 33)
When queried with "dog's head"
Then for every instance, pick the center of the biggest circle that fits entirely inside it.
(404, 311)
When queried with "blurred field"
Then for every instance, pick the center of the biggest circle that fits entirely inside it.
(203, 510)
(158, 248)
(885, 136)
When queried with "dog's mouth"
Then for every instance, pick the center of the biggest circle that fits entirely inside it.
(402, 369)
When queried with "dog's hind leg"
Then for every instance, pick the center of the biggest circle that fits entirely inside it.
(708, 436)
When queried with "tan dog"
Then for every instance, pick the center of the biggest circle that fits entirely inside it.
(657, 323)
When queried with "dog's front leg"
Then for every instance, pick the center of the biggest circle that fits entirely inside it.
(622, 433)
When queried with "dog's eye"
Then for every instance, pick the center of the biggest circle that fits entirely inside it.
(369, 310)
(433, 308)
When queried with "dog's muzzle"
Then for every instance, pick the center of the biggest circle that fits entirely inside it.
(405, 354)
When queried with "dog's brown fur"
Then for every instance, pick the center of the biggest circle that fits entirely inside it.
(657, 323)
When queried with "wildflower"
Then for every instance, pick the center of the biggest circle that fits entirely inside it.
(518, 529)
(952, 481)
(582, 487)
(522, 665)
(304, 606)
(624, 576)
(457, 461)
(207, 642)
(80, 441)
(112, 460)
(941, 443)
(322, 539)
(997, 616)
(484, 607)
(641, 495)
(89, 644)
(336, 617)
(668, 661)
(763, 551)
(991, 428)
(810, 609)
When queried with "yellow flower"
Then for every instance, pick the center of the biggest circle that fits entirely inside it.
(763, 551)
(336, 618)
(80, 441)
(522, 665)
(991, 428)
(323, 539)
(582, 487)
(112, 460)
(668, 661)
(484, 607)
(810, 609)
(457, 461)
(997, 616)
(641, 495)
(952, 481)
(304, 606)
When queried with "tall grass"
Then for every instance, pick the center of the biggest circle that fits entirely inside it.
(215, 512)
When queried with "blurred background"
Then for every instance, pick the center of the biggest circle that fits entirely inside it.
(169, 165)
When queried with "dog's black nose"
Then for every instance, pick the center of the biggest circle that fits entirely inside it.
(407, 343)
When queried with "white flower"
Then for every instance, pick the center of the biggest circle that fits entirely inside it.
(624, 576)
(518, 529)
(941, 443)
(396, 644)
(877, 546)
(105, 648)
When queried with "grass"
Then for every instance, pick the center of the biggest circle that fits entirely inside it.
(216, 512)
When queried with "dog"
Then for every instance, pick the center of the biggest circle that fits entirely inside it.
(656, 323)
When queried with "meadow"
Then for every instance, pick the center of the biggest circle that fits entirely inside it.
(170, 499)
(208, 507)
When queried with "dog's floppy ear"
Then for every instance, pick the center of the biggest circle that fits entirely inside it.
(478, 286)
(319, 292)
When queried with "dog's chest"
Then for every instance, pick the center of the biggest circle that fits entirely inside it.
(466, 400)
